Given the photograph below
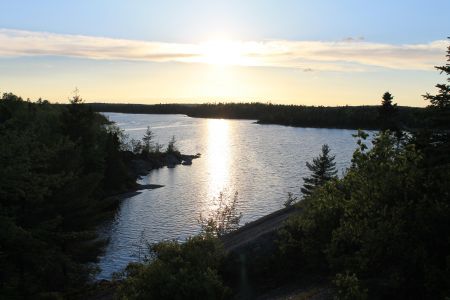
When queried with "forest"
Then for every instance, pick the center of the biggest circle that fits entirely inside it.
(381, 231)
(345, 117)
(60, 167)
(63, 170)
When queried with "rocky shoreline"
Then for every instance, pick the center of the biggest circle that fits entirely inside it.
(139, 165)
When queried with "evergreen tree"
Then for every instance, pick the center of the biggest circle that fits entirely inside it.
(76, 98)
(387, 101)
(385, 221)
(58, 164)
(435, 140)
(387, 112)
(147, 141)
(323, 169)
(442, 99)
(171, 147)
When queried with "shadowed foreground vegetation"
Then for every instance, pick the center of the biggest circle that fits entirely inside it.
(60, 169)
(382, 231)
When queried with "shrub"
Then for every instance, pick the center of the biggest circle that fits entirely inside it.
(386, 221)
(224, 219)
(348, 287)
(177, 271)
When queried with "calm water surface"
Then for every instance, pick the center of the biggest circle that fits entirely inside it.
(261, 162)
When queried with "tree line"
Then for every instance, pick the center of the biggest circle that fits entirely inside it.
(59, 167)
(346, 117)
(381, 231)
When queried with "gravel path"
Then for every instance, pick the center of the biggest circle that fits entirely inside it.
(256, 230)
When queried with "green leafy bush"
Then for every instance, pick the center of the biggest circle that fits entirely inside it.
(177, 270)
(386, 221)
(348, 287)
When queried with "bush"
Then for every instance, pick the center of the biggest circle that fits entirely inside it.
(386, 221)
(224, 219)
(177, 271)
(348, 287)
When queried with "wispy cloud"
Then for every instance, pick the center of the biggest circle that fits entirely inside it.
(348, 54)
(29, 43)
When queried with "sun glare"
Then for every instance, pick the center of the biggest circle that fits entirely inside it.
(222, 52)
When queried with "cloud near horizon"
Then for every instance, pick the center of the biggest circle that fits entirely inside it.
(345, 55)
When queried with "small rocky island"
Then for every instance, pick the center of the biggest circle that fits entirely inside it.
(142, 156)
(140, 165)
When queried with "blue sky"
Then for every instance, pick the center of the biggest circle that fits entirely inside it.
(353, 76)
(410, 21)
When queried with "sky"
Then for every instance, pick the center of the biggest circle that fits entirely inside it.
(327, 52)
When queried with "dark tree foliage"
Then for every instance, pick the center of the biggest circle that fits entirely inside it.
(386, 103)
(57, 165)
(442, 99)
(351, 117)
(171, 147)
(388, 111)
(386, 222)
(435, 139)
(147, 141)
(177, 270)
(383, 229)
(323, 169)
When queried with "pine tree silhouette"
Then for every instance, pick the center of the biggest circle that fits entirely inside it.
(323, 169)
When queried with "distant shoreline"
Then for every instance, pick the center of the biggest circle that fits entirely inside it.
(337, 117)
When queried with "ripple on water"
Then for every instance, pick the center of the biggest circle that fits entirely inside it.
(261, 163)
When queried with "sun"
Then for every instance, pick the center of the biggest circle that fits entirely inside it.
(222, 52)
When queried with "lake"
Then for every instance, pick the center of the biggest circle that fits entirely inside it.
(260, 162)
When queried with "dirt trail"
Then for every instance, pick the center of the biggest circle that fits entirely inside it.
(256, 230)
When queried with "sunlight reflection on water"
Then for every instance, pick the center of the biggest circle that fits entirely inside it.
(260, 162)
(218, 155)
